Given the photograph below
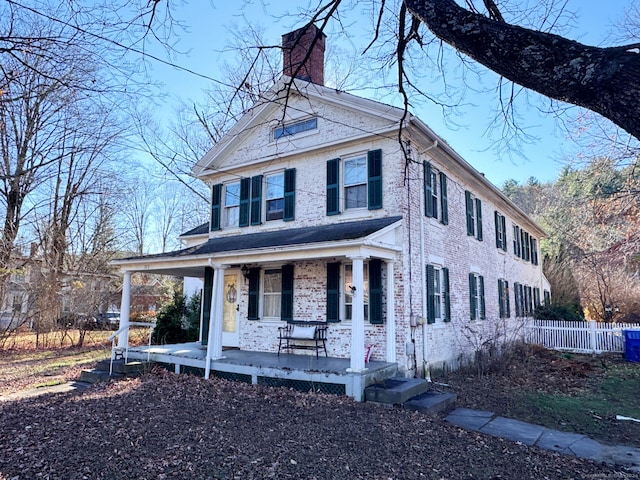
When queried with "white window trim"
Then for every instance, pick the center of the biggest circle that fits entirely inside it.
(261, 299)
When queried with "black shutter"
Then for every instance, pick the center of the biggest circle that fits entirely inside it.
(245, 192)
(444, 201)
(483, 311)
(431, 301)
(333, 292)
(534, 251)
(374, 184)
(447, 296)
(286, 294)
(503, 225)
(473, 298)
(375, 291)
(501, 302)
(536, 297)
(333, 186)
(499, 240)
(516, 293)
(207, 293)
(289, 194)
(506, 294)
(254, 293)
(256, 200)
(428, 204)
(216, 197)
(468, 201)
(479, 218)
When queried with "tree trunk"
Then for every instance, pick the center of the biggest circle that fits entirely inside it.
(604, 80)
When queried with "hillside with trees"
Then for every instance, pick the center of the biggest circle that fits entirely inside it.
(592, 252)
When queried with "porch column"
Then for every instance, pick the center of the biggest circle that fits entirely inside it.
(357, 316)
(125, 305)
(391, 314)
(214, 343)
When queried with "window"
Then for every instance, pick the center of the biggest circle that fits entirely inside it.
(435, 194)
(547, 297)
(293, 128)
(355, 183)
(438, 303)
(525, 246)
(360, 183)
(476, 297)
(231, 204)
(536, 297)
(516, 241)
(17, 303)
(474, 215)
(348, 296)
(501, 231)
(503, 299)
(275, 197)
(521, 301)
(272, 291)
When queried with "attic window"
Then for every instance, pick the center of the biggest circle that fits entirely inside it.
(293, 128)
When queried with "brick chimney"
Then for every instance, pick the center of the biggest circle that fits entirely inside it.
(296, 46)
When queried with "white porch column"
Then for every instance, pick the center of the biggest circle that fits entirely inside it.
(214, 343)
(357, 316)
(391, 314)
(125, 306)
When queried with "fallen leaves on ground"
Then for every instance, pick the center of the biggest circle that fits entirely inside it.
(163, 426)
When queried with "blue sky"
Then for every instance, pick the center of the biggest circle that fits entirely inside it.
(209, 35)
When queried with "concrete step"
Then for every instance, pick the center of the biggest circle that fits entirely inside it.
(396, 390)
(96, 376)
(131, 368)
(431, 402)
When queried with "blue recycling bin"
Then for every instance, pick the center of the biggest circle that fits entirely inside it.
(632, 345)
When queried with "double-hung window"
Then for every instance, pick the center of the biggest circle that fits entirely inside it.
(348, 292)
(275, 197)
(503, 299)
(476, 297)
(355, 182)
(435, 194)
(272, 291)
(501, 231)
(231, 204)
(438, 302)
(474, 215)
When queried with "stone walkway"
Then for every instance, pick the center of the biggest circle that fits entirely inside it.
(546, 438)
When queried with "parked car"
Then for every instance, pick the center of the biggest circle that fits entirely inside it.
(108, 319)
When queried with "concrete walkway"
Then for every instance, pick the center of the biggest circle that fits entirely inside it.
(546, 438)
(36, 392)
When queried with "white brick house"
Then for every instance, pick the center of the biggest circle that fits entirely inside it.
(320, 213)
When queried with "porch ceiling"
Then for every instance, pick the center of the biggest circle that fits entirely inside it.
(374, 238)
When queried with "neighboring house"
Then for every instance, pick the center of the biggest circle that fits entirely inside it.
(319, 213)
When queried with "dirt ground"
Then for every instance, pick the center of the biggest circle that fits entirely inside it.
(577, 384)
(163, 426)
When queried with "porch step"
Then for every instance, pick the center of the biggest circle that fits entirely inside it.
(96, 376)
(431, 402)
(130, 368)
(396, 390)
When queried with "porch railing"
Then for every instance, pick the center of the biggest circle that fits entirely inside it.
(124, 352)
(580, 337)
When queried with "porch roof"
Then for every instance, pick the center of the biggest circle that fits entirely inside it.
(332, 235)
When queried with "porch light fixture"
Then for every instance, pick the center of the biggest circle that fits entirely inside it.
(245, 271)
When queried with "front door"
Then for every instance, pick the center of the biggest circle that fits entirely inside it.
(230, 337)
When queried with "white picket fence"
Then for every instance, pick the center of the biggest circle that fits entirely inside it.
(580, 337)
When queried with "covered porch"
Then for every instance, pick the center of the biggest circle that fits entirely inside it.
(307, 372)
(255, 283)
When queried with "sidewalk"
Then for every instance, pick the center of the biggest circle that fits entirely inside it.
(542, 437)
(36, 392)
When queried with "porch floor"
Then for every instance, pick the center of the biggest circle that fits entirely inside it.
(259, 367)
